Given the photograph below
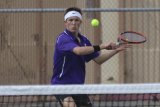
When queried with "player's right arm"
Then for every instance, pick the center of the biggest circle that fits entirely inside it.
(85, 50)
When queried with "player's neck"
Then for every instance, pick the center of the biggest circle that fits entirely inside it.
(75, 34)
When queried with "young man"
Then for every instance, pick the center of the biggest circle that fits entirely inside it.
(72, 51)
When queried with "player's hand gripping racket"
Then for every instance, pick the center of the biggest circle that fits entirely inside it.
(131, 37)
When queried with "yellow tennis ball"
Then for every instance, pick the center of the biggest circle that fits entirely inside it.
(95, 22)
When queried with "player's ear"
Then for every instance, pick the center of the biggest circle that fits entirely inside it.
(65, 21)
(81, 21)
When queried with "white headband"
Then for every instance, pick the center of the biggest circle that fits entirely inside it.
(71, 14)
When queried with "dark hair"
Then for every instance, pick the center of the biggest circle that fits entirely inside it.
(73, 9)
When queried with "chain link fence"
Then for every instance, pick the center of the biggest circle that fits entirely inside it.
(28, 30)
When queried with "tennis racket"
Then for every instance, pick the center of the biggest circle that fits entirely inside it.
(131, 37)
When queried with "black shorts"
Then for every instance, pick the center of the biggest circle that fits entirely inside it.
(80, 100)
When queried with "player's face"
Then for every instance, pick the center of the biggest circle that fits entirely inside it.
(72, 24)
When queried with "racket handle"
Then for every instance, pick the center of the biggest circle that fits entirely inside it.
(110, 47)
(117, 43)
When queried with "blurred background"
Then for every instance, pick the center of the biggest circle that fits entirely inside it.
(27, 40)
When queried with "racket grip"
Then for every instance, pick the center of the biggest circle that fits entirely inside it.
(110, 47)
(117, 43)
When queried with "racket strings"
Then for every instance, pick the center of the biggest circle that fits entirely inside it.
(133, 37)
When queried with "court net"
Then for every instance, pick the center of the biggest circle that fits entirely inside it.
(125, 95)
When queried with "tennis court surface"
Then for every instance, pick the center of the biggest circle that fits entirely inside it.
(124, 95)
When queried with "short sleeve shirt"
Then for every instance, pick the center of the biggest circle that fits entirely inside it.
(69, 68)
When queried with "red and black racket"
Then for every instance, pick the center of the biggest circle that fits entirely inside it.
(131, 37)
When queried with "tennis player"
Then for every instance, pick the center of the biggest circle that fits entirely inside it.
(72, 51)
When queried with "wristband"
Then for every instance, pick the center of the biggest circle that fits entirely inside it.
(96, 48)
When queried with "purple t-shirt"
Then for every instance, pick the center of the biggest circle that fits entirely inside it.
(69, 68)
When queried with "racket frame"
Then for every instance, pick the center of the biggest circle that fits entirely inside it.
(122, 40)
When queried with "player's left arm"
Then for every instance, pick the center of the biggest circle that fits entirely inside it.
(104, 56)
(107, 54)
